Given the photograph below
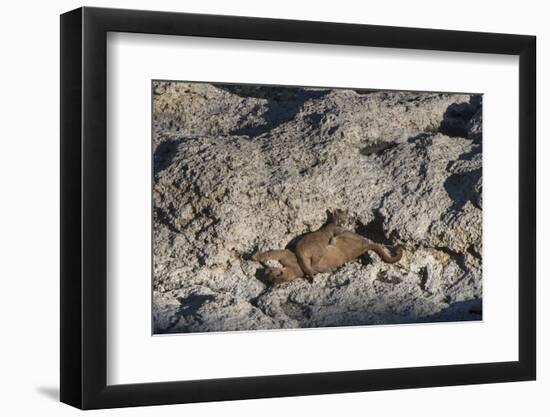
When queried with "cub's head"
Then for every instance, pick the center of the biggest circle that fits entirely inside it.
(279, 275)
(338, 217)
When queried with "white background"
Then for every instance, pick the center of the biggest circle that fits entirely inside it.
(133, 60)
(29, 213)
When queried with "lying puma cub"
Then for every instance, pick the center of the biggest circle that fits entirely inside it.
(323, 250)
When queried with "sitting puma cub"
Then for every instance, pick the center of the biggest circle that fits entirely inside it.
(323, 250)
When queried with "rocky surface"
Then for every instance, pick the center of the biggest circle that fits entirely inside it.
(239, 169)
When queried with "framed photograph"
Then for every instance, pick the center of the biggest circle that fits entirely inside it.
(256, 208)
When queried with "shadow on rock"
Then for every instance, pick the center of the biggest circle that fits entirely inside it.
(261, 275)
(462, 188)
(464, 184)
(456, 117)
(190, 305)
(374, 230)
(469, 310)
(283, 105)
(164, 155)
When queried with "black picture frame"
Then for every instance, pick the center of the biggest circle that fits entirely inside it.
(84, 207)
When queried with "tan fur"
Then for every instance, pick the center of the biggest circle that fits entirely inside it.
(348, 246)
(312, 246)
(290, 270)
(323, 250)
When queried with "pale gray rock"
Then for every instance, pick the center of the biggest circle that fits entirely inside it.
(474, 127)
(240, 169)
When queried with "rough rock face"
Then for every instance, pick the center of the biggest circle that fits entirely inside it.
(240, 168)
